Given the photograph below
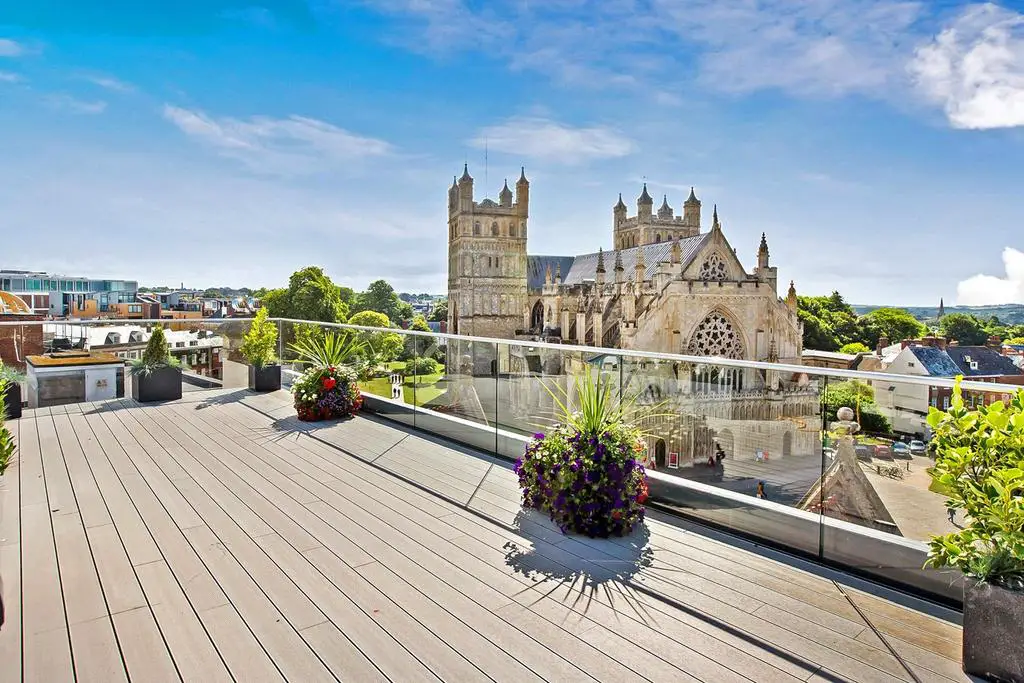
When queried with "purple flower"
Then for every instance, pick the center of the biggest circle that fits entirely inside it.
(538, 435)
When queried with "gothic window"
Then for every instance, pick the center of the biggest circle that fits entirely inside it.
(716, 336)
(476, 228)
(713, 268)
(494, 229)
(511, 231)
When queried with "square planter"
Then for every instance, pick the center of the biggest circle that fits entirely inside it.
(267, 378)
(163, 384)
(993, 624)
(12, 400)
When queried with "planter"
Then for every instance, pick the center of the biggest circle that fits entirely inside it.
(993, 623)
(267, 378)
(162, 384)
(12, 400)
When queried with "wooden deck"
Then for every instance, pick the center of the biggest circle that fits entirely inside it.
(216, 539)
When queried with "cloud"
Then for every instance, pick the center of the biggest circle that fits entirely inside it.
(75, 105)
(974, 68)
(291, 145)
(983, 290)
(541, 138)
(108, 82)
(8, 77)
(9, 48)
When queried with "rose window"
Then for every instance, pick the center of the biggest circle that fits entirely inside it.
(716, 336)
(713, 268)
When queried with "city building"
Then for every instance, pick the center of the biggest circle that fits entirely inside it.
(198, 350)
(57, 295)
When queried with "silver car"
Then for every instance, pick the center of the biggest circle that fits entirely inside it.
(918, 447)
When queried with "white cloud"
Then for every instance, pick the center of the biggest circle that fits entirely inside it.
(291, 145)
(982, 290)
(541, 138)
(8, 77)
(975, 68)
(75, 105)
(9, 48)
(108, 82)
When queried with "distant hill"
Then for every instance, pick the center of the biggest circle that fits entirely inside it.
(1007, 313)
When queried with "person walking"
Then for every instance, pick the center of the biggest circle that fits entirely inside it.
(760, 491)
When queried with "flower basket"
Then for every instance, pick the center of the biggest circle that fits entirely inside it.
(589, 483)
(326, 394)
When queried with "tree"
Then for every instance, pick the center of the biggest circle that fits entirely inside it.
(213, 293)
(415, 345)
(895, 324)
(310, 296)
(380, 296)
(817, 333)
(348, 295)
(439, 312)
(385, 346)
(854, 347)
(860, 397)
(964, 328)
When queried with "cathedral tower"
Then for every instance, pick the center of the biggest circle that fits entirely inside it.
(487, 259)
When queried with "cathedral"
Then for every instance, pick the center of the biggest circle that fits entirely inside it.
(667, 286)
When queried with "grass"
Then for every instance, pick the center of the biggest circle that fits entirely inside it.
(418, 392)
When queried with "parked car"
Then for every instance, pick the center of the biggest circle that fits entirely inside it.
(863, 452)
(900, 450)
(883, 451)
(918, 447)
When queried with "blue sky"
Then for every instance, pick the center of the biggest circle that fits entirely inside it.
(878, 144)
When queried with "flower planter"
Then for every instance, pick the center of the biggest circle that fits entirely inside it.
(326, 394)
(12, 400)
(266, 378)
(162, 384)
(993, 624)
(590, 485)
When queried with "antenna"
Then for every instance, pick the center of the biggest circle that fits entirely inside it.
(486, 182)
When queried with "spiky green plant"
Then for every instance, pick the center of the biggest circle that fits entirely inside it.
(329, 351)
(7, 446)
(157, 355)
(260, 341)
(597, 404)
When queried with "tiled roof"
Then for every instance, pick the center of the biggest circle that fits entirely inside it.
(989, 361)
(935, 361)
(585, 267)
(537, 265)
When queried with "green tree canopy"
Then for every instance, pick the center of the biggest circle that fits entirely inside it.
(380, 296)
(385, 346)
(854, 347)
(310, 295)
(895, 324)
(964, 328)
(440, 312)
(213, 293)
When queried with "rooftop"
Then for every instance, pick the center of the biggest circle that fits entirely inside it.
(217, 538)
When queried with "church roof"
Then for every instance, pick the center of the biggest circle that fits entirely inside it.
(537, 265)
(585, 267)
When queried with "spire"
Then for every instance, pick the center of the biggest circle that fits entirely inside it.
(620, 205)
(522, 176)
(692, 199)
(558, 274)
(764, 243)
(455, 182)
(465, 174)
(618, 261)
(791, 297)
(600, 260)
(762, 253)
(505, 196)
(645, 198)
(942, 308)
(665, 211)
(547, 275)
(715, 225)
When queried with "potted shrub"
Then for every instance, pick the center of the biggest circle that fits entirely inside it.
(156, 376)
(6, 438)
(11, 394)
(980, 464)
(587, 472)
(327, 389)
(258, 348)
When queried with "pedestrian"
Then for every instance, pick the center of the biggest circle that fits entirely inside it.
(952, 515)
(760, 491)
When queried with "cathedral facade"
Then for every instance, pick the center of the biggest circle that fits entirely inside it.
(667, 286)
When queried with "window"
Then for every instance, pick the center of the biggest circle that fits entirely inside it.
(511, 231)
(494, 229)
(910, 364)
(945, 402)
(934, 402)
(476, 228)
(713, 268)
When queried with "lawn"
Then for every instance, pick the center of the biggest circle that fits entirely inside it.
(418, 392)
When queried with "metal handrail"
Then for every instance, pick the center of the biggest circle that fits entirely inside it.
(872, 376)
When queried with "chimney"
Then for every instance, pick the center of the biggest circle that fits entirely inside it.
(994, 342)
(883, 341)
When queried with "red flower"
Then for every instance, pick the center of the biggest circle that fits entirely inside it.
(644, 492)
(330, 370)
(330, 383)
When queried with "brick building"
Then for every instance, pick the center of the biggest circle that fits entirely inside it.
(18, 341)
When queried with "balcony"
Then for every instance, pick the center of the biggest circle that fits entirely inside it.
(218, 538)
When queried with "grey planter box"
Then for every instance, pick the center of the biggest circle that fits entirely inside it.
(993, 624)
(12, 400)
(267, 378)
(163, 384)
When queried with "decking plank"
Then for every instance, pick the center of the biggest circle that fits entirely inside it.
(97, 653)
(145, 653)
(10, 556)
